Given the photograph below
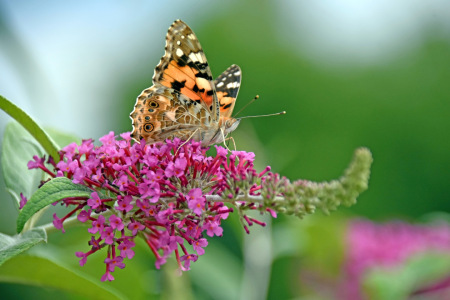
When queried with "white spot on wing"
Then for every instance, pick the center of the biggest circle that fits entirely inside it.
(178, 43)
(220, 84)
(232, 85)
(179, 52)
(237, 73)
(195, 57)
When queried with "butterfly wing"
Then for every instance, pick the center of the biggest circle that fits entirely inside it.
(184, 68)
(162, 113)
(227, 88)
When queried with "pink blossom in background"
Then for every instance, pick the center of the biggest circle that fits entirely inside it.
(391, 244)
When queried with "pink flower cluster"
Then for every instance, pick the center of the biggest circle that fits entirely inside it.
(373, 245)
(165, 193)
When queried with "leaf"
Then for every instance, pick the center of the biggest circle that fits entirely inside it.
(418, 272)
(31, 126)
(52, 191)
(40, 271)
(218, 285)
(12, 246)
(17, 149)
(62, 138)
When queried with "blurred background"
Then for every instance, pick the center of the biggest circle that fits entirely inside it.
(348, 73)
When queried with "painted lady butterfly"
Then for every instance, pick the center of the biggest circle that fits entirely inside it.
(184, 101)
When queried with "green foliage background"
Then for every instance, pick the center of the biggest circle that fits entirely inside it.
(399, 109)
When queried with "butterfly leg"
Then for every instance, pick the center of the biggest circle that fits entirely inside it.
(232, 139)
(225, 139)
(186, 141)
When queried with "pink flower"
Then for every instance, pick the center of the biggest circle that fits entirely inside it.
(124, 203)
(108, 140)
(221, 151)
(159, 192)
(70, 166)
(23, 201)
(94, 202)
(196, 201)
(70, 150)
(177, 168)
(83, 257)
(187, 260)
(36, 162)
(125, 249)
(97, 226)
(212, 228)
(374, 246)
(108, 235)
(135, 227)
(83, 216)
(107, 276)
(58, 223)
(199, 245)
(114, 262)
(116, 222)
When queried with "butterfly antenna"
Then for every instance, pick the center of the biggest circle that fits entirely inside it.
(275, 114)
(251, 101)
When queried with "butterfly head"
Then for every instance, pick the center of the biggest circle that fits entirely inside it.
(230, 125)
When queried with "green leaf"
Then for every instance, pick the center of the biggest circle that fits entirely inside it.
(11, 246)
(17, 149)
(40, 271)
(62, 138)
(31, 126)
(52, 191)
(418, 272)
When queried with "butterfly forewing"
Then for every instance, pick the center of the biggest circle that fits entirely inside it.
(185, 69)
(227, 88)
(182, 101)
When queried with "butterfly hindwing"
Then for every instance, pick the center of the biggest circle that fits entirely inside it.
(227, 88)
(185, 69)
(161, 113)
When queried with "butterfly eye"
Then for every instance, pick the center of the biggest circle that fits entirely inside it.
(153, 104)
(148, 127)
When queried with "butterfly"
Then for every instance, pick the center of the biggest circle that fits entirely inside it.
(185, 101)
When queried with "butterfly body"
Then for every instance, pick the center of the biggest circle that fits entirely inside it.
(185, 101)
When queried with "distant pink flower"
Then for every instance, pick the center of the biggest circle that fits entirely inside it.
(372, 245)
